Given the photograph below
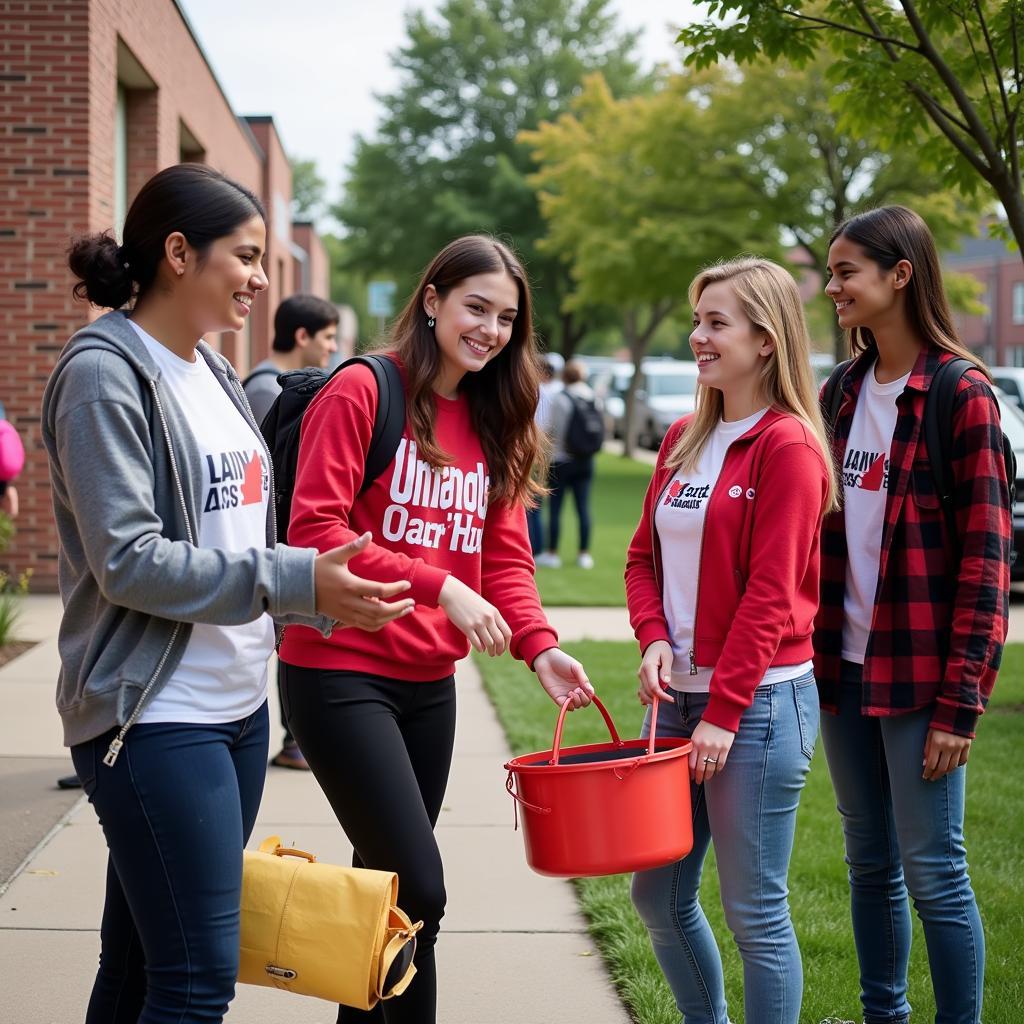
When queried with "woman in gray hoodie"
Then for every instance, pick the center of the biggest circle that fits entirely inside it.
(172, 585)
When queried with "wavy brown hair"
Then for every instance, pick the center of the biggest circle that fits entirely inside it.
(893, 233)
(502, 396)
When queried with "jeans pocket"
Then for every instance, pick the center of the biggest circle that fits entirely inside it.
(805, 698)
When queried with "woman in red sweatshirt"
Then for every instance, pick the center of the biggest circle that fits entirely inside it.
(375, 713)
(722, 587)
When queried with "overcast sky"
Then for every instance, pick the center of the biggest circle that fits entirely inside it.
(314, 65)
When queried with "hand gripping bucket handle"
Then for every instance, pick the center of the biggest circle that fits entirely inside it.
(556, 745)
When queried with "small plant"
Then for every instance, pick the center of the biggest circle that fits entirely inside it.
(11, 595)
(6, 530)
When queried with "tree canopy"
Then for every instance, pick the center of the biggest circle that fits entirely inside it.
(446, 159)
(941, 77)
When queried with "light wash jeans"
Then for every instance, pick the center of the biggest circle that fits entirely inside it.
(903, 833)
(749, 813)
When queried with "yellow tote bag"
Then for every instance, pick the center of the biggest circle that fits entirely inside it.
(321, 930)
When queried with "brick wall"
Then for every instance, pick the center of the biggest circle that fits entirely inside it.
(58, 101)
(44, 200)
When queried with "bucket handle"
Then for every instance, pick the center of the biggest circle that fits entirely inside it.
(510, 786)
(564, 710)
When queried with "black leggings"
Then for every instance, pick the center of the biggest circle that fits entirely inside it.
(381, 750)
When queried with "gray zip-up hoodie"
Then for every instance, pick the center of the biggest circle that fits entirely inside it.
(127, 482)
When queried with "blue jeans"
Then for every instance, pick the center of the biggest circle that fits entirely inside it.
(749, 813)
(176, 810)
(903, 833)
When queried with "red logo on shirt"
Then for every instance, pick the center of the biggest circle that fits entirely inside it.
(674, 491)
(866, 471)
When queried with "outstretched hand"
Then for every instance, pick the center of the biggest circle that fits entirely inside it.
(350, 599)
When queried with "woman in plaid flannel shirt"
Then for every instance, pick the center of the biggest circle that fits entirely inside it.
(722, 587)
(912, 621)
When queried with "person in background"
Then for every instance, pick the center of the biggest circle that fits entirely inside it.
(305, 334)
(550, 386)
(914, 611)
(568, 472)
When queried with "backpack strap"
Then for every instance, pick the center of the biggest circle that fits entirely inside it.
(832, 394)
(389, 421)
(938, 428)
(260, 372)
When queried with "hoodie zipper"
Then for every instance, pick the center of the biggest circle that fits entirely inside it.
(110, 758)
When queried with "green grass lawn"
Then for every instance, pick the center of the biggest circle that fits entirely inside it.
(616, 498)
(819, 893)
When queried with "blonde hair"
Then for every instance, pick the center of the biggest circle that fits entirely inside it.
(769, 297)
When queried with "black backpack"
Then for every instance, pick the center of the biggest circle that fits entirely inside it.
(938, 431)
(584, 435)
(281, 426)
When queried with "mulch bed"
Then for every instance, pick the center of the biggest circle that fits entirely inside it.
(11, 651)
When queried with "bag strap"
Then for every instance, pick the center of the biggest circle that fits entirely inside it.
(389, 421)
(832, 394)
(259, 372)
(389, 954)
(938, 432)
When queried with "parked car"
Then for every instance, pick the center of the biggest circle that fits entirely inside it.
(1013, 427)
(1010, 379)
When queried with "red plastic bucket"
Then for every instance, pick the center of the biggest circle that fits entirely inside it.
(604, 808)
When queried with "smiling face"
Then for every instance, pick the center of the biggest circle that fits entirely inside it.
(473, 323)
(731, 351)
(220, 289)
(319, 347)
(865, 293)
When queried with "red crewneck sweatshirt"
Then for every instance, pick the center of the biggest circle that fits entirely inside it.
(426, 524)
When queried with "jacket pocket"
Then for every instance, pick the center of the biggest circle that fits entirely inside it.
(923, 487)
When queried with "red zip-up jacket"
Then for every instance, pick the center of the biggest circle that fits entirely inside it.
(426, 524)
(757, 591)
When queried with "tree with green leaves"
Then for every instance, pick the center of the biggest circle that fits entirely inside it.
(309, 190)
(941, 76)
(446, 159)
(811, 174)
(638, 194)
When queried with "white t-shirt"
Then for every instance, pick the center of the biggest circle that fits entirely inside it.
(222, 676)
(679, 520)
(865, 485)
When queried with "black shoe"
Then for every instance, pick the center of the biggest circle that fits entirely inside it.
(69, 782)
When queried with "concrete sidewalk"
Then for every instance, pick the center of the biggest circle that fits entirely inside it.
(513, 947)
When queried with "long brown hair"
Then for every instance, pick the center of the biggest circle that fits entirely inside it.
(893, 233)
(502, 396)
(771, 301)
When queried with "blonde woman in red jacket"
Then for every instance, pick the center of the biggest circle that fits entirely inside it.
(375, 713)
(722, 587)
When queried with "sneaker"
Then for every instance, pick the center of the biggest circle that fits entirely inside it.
(291, 757)
(548, 560)
(69, 782)
(585, 560)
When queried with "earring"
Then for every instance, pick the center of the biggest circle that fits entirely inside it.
(430, 321)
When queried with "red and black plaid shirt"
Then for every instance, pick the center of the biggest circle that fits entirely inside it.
(941, 605)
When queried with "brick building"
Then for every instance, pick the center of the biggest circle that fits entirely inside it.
(95, 97)
(998, 335)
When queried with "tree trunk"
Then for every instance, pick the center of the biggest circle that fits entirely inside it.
(573, 329)
(1013, 202)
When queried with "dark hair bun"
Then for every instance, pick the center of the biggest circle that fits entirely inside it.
(99, 264)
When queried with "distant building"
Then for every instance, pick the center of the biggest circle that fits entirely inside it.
(98, 95)
(998, 335)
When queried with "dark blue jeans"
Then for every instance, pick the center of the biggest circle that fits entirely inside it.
(576, 475)
(176, 810)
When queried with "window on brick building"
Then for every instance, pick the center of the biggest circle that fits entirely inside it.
(190, 149)
(1018, 302)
